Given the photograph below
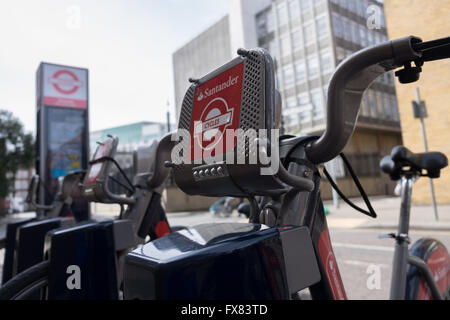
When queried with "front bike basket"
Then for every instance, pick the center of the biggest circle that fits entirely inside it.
(225, 127)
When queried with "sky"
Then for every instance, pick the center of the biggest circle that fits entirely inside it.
(127, 46)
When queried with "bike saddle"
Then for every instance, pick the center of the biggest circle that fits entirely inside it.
(401, 157)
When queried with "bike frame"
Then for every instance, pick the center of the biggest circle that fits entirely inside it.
(303, 208)
(401, 254)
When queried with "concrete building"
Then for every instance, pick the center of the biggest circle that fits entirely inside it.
(427, 21)
(199, 56)
(307, 40)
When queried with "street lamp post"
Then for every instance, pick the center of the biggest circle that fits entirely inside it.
(420, 112)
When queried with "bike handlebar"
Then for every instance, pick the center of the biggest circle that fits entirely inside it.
(346, 89)
(35, 180)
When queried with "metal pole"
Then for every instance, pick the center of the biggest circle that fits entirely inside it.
(425, 142)
(168, 117)
(333, 176)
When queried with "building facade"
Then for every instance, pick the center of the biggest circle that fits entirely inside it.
(199, 56)
(430, 21)
(308, 39)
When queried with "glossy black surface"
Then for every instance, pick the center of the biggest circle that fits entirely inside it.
(215, 261)
(91, 247)
(30, 243)
(10, 245)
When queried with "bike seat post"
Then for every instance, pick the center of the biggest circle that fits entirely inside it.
(400, 262)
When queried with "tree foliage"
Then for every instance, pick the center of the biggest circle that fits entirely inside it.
(16, 150)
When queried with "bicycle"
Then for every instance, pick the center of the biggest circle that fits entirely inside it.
(24, 241)
(420, 273)
(286, 247)
(97, 248)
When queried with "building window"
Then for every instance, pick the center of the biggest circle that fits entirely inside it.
(346, 29)
(322, 27)
(313, 67)
(290, 120)
(285, 46)
(305, 116)
(394, 107)
(360, 8)
(352, 5)
(379, 104)
(370, 39)
(303, 98)
(309, 33)
(297, 39)
(300, 71)
(273, 48)
(288, 75)
(261, 25)
(337, 27)
(384, 107)
(291, 102)
(282, 14)
(326, 61)
(372, 103)
(305, 5)
(355, 31)
(362, 36)
(294, 10)
(343, 3)
(317, 102)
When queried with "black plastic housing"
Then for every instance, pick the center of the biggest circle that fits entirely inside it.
(222, 261)
(257, 111)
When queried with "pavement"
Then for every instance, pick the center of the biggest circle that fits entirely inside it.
(388, 211)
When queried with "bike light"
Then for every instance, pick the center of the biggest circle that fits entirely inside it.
(225, 124)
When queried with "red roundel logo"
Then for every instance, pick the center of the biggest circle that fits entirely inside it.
(65, 82)
(216, 109)
(215, 119)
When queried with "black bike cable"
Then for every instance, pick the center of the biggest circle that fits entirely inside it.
(371, 213)
(121, 184)
(102, 159)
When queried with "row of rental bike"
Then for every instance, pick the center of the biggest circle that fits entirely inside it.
(284, 252)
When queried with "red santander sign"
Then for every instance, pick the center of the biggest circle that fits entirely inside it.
(217, 104)
(65, 87)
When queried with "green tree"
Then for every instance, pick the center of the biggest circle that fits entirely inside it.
(16, 151)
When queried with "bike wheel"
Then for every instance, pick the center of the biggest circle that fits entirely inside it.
(28, 285)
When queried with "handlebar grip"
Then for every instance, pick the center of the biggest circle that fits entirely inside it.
(347, 86)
